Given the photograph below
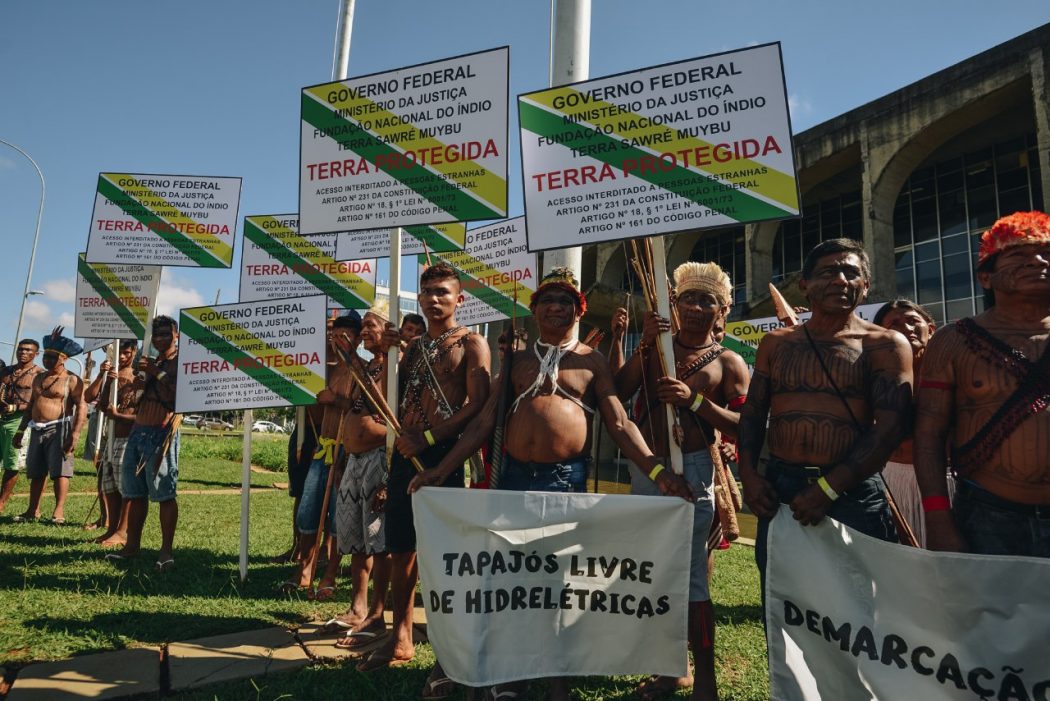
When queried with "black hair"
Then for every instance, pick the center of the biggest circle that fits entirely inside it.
(988, 266)
(129, 343)
(416, 319)
(31, 341)
(439, 271)
(163, 320)
(901, 303)
(348, 322)
(827, 248)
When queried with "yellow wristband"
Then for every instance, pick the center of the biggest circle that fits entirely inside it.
(655, 472)
(696, 402)
(822, 482)
(429, 436)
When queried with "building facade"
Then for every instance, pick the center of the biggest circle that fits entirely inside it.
(917, 175)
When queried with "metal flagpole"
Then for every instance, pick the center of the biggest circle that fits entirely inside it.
(246, 484)
(569, 63)
(395, 318)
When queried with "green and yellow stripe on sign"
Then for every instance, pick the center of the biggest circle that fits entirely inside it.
(113, 292)
(440, 238)
(166, 220)
(774, 195)
(463, 188)
(305, 259)
(242, 349)
(493, 287)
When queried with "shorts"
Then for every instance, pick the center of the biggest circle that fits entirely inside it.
(299, 465)
(359, 530)
(698, 472)
(12, 458)
(308, 516)
(565, 476)
(400, 528)
(45, 456)
(160, 481)
(991, 525)
(111, 469)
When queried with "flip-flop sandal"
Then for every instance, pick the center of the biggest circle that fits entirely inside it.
(337, 624)
(58, 521)
(117, 557)
(289, 587)
(24, 518)
(322, 593)
(165, 565)
(438, 687)
(361, 642)
(375, 661)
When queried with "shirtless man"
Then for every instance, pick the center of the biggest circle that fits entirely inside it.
(986, 385)
(709, 390)
(362, 493)
(56, 413)
(559, 412)
(829, 432)
(444, 377)
(121, 419)
(916, 325)
(16, 385)
(145, 471)
(334, 399)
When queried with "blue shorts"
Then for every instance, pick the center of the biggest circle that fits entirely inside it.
(156, 481)
(308, 516)
(565, 476)
(698, 472)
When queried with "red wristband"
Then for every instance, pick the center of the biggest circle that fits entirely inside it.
(936, 504)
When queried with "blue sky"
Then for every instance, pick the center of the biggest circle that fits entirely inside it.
(211, 87)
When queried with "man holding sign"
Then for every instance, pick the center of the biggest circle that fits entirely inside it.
(444, 384)
(151, 456)
(558, 385)
(837, 394)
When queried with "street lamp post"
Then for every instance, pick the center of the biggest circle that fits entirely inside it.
(36, 239)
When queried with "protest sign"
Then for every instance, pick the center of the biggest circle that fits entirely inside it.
(93, 344)
(492, 266)
(251, 355)
(277, 262)
(689, 145)
(177, 220)
(425, 144)
(375, 243)
(114, 301)
(853, 617)
(743, 337)
(520, 585)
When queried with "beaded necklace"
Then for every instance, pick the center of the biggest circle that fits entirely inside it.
(425, 356)
(373, 375)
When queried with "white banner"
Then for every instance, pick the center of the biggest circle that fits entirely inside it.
(522, 585)
(852, 617)
(690, 145)
(424, 144)
(251, 355)
(175, 220)
(494, 270)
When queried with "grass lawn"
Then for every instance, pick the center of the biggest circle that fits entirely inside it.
(59, 598)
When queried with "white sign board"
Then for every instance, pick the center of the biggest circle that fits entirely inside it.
(114, 301)
(251, 355)
(425, 144)
(176, 220)
(520, 585)
(277, 262)
(853, 617)
(494, 269)
(690, 145)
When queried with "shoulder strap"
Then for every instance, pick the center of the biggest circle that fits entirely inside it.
(827, 374)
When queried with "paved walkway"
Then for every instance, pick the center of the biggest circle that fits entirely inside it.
(182, 665)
